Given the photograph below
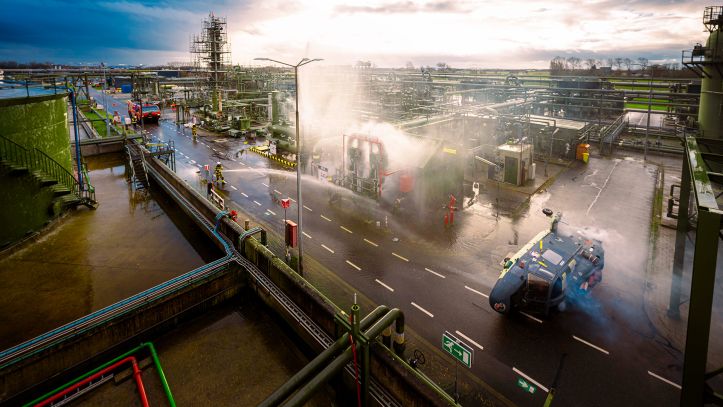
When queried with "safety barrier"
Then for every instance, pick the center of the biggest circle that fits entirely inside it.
(280, 160)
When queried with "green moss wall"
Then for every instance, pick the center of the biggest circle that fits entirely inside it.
(39, 122)
(25, 206)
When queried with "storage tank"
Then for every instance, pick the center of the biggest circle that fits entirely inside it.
(37, 118)
(711, 99)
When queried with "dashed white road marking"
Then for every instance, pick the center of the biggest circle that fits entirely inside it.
(306, 234)
(435, 273)
(469, 340)
(665, 380)
(233, 159)
(384, 285)
(477, 292)
(325, 218)
(193, 161)
(519, 372)
(244, 195)
(324, 246)
(294, 201)
(305, 207)
(198, 165)
(264, 184)
(371, 243)
(531, 317)
(271, 212)
(234, 188)
(278, 192)
(345, 229)
(591, 345)
(353, 265)
(401, 257)
(257, 203)
(423, 310)
(241, 163)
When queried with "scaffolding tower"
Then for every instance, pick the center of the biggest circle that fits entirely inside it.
(211, 53)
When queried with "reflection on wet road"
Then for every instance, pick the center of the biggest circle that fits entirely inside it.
(441, 277)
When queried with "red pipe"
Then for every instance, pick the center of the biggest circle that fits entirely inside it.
(136, 376)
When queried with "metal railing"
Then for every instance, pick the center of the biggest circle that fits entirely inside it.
(37, 160)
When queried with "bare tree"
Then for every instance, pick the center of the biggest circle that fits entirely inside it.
(573, 62)
(611, 62)
(618, 63)
(557, 64)
(643, 62)
(628, 63)
(590, 63)
(442, 66)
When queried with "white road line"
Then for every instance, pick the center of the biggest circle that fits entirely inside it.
(371, 243)
(233, 159)
(519, 372)
(193, 161)
(266, 185)
(345, 229)
(469, 340)
(401, 257)
(353, 265)
(305, 207)
(244, 195)
(324, 246)
(423, 310)
(327, 219)
(384, 285)
(665, 380)
(234, 188)
(591, 345)
(531, 317)
(257, 203)
(435, 273)
(294, 201)
(278, 192)
(241, 163)
(306, 234)
(271, 212)
(198, 165)
(477, 292)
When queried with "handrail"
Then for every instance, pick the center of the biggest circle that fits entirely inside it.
(37, 160)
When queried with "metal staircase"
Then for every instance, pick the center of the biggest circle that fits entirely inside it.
(139, 175)
(68, 192)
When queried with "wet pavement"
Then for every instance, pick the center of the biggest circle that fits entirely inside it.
(441, 278)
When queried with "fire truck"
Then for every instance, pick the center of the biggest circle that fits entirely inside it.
(150, 112)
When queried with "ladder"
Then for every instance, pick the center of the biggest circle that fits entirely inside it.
(139, 176)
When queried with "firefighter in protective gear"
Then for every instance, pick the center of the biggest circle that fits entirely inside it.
(218, 173)
(194, 131)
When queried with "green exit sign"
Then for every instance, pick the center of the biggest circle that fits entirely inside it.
(457, 349)
(526, 386)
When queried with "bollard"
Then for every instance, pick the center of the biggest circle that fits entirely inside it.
(387, 337)
(247, 224)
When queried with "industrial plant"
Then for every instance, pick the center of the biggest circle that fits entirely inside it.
(301, 233)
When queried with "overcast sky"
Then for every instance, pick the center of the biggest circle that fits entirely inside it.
(485, 34)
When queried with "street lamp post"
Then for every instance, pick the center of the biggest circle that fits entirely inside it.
(299, 204)
(647, 127)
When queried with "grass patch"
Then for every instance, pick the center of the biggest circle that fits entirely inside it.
(644, 106)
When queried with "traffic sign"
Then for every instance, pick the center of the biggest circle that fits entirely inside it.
(457, 349)
(526, 386)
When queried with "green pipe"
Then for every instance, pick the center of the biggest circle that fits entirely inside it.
(312, 367)
(306, 392)
(157, 363)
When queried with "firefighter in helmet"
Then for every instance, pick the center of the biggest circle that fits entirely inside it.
(218, 173)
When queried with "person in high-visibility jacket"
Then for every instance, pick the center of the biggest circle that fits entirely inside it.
(194, 131)
(218, 173)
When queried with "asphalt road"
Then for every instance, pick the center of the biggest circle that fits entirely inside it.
(440, 279)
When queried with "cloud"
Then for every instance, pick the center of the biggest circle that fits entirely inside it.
(405, 7)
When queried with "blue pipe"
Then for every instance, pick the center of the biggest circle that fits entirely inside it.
(77, 139)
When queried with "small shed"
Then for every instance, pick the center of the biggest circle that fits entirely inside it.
(517, 163)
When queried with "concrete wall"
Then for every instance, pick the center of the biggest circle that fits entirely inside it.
(26, 206)
(38, 122)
